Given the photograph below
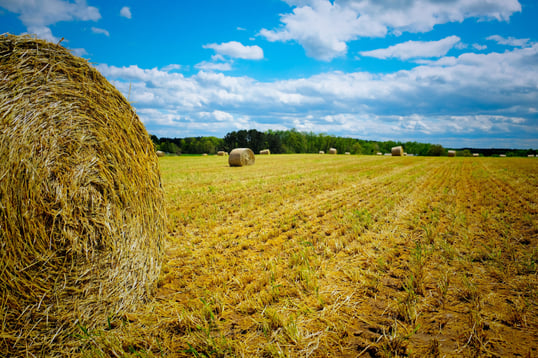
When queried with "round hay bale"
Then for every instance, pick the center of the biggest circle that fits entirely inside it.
(332, 151)
(451, 153)
(379, 153)
(240, 157)
(265, 151)
(397, 151)
(221, 153)
(348, 153)
(81, 203)
(159, 153)
(321, 152)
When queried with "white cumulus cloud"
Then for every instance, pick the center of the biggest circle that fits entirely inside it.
(213, 66)
(415, 49)
(489, 96)
(97, 30)
(510, 41)
(324, 28)
(236, 49)
(37, 16)
(126, 12)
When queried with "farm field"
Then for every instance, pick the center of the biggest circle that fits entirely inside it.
(342, 256)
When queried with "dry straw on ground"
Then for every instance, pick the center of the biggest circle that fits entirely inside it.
(81, 203)
(240, 157)
(397, 151)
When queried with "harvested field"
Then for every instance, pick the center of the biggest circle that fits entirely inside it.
(347, 256)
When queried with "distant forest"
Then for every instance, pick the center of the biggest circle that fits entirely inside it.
(293, 141)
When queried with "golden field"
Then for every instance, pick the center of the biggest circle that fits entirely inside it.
(341, 256)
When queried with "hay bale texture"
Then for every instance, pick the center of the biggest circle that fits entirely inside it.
(265, 152)
(81, 204)
(397, 151)
(240, 157)
(333, 151)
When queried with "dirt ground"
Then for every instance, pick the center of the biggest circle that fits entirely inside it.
(343, 256)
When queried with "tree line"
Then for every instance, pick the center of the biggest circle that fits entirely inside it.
(293, 141)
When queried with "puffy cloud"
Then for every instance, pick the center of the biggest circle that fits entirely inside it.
(214, 66)
(236, 49)
(510, 41)
(219, 116)
(97, 30)
(482, 95)
(323, 27)
(172, 67)
(37, 16)
(415, 49)
(126, 12)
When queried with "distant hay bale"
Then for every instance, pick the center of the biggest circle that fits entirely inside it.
(347, 153)
(530, 155)
(332, 151)
(221, 153)
(397, 151)
(379, 153)
(321, 152)
(159, 153)
(476, 155)
(240, 157)
(82, 221)
(265, 151)
(204, 155)
(502, 155)
(451, 153)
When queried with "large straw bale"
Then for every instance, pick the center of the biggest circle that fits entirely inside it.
(221, 153)
(332, 151)
(81, 203)
(397, 151)
(451, 153)
(265, 152)
(240, 157)
(160, 153)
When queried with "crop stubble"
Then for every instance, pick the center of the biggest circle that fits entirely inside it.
(308, 255)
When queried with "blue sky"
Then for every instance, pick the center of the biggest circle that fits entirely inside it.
(451, 72)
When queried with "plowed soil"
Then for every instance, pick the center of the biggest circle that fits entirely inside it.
(345, 256)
